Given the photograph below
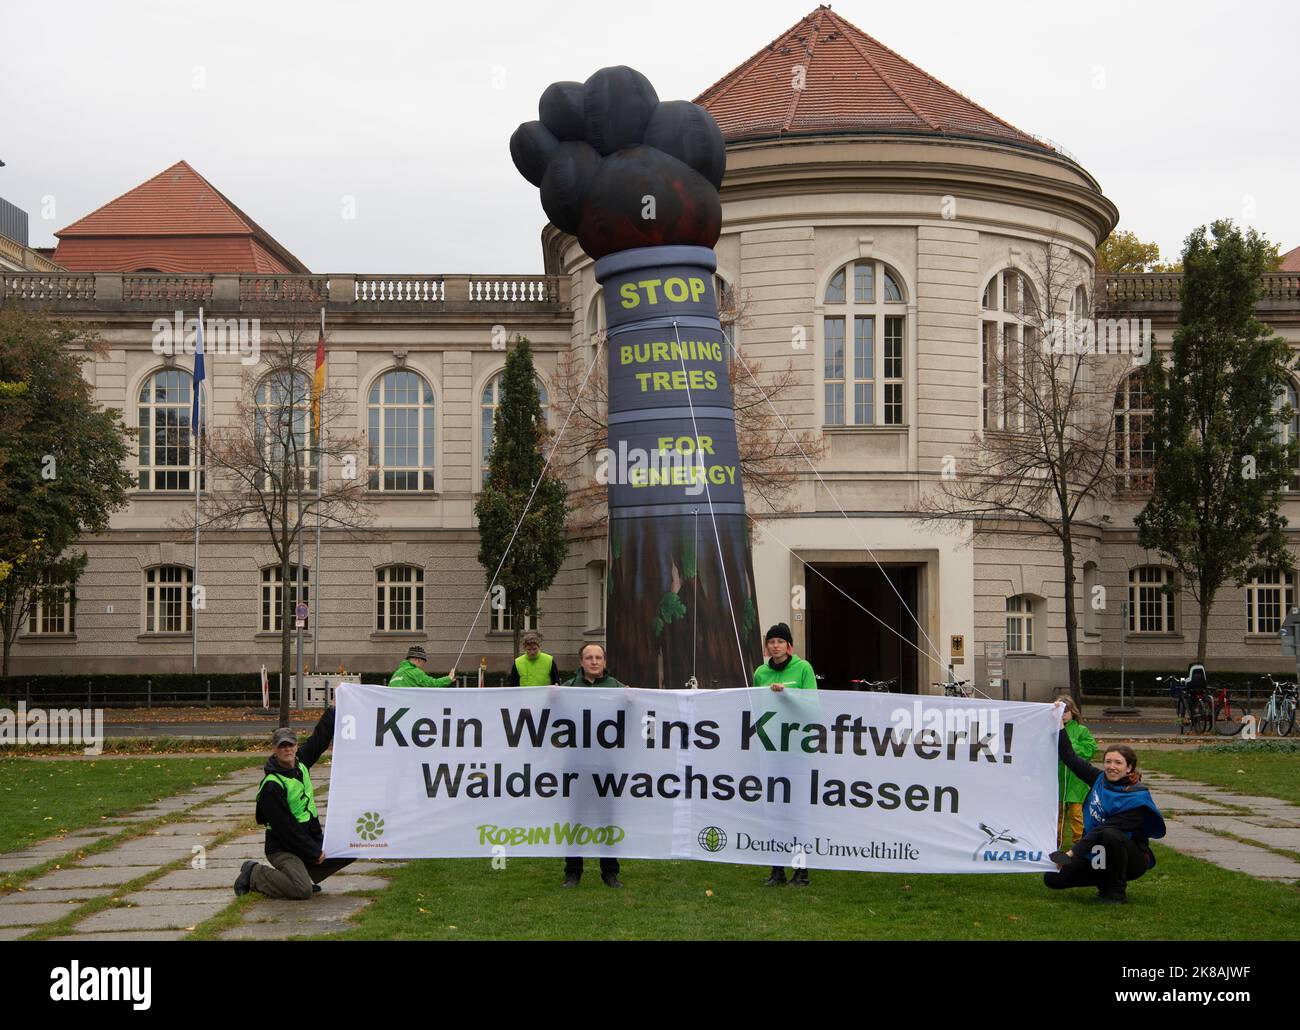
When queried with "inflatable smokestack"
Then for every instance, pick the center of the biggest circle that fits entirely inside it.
(636, 181)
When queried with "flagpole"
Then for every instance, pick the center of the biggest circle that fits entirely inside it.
(196, 442)
(320, 476)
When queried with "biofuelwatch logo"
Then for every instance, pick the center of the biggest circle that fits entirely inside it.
(714, 839)
(369, 827)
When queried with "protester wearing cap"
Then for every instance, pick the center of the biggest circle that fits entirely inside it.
(783, 669)
(534, 668)
(286, 806)
(411, 672)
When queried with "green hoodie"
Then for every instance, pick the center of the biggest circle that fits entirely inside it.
(796, 674)
(410, 675)
(1073, 790)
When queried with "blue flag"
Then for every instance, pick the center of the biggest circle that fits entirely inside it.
(199, 375)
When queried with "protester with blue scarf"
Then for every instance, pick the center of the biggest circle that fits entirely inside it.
(1119, 820)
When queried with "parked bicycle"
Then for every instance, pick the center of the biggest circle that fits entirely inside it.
(1195, 711)
(1279, 712)
(957, 688)
(1229, 713)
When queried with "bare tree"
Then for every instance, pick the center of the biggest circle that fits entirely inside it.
(262, 465)
(1046, 450)
(771, 459)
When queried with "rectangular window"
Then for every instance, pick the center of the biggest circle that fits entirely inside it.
(864, 370)
(399, 599)
(167, 607)
(1151, 601)
(1020, 625)
(893, 371)
(1269, 597)
(502, 621)
(833, 373)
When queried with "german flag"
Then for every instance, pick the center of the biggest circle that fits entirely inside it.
(318, 380)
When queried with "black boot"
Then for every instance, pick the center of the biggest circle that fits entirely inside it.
(800, 878)
(243, 882)
(777, 879)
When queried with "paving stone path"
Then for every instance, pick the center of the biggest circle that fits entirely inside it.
(1194, 825)
(170, 906)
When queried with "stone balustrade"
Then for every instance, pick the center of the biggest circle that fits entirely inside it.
(1158, 291)
(267, 294)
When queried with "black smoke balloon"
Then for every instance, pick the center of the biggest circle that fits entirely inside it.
(561, 110)
(617, 104)
(619, 169)
(568, 182)
(689, 133)
(531, 148)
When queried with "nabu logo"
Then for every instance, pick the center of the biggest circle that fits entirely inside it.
(370, 826)
(1003, 837)
(712, 839)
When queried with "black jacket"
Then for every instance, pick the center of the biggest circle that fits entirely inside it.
(283, 831)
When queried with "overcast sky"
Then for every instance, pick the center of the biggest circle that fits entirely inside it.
(1183, 111)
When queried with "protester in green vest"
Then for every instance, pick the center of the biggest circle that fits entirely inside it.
(592, 673)
(411, 672)
(783, 669)
(1073, 791)
(534, 668)
(286, 806)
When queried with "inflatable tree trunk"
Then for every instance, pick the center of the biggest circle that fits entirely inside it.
(636, 181)
(681, 605)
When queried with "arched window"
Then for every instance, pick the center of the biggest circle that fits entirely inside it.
(164, 461)
(54, 608)
(1007, 359)
(399, 599)
(488, 405)
(284, 429)
(401, 432)
(1270, 595)
(1151, 593)
(167, 599)
(862, 376)
(273, 595)
(1288, 429)
(1135, 455)
(1020, 624)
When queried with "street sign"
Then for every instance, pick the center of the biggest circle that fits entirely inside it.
(300, 616)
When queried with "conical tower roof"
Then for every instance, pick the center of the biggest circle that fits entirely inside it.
(825, 75)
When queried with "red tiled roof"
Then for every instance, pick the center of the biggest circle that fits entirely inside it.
(1290, 261)
(177, 218)
(851, 82)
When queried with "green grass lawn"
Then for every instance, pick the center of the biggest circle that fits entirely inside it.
(1182, 898)
(39, 799)
(1272, 774)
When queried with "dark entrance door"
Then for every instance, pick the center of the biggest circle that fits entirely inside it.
(844, 642)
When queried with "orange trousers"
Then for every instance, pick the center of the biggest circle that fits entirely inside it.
(1072, 817)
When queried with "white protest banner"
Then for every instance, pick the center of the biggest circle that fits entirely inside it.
(882, 782)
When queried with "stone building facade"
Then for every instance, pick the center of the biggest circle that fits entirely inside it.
(875, 224)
